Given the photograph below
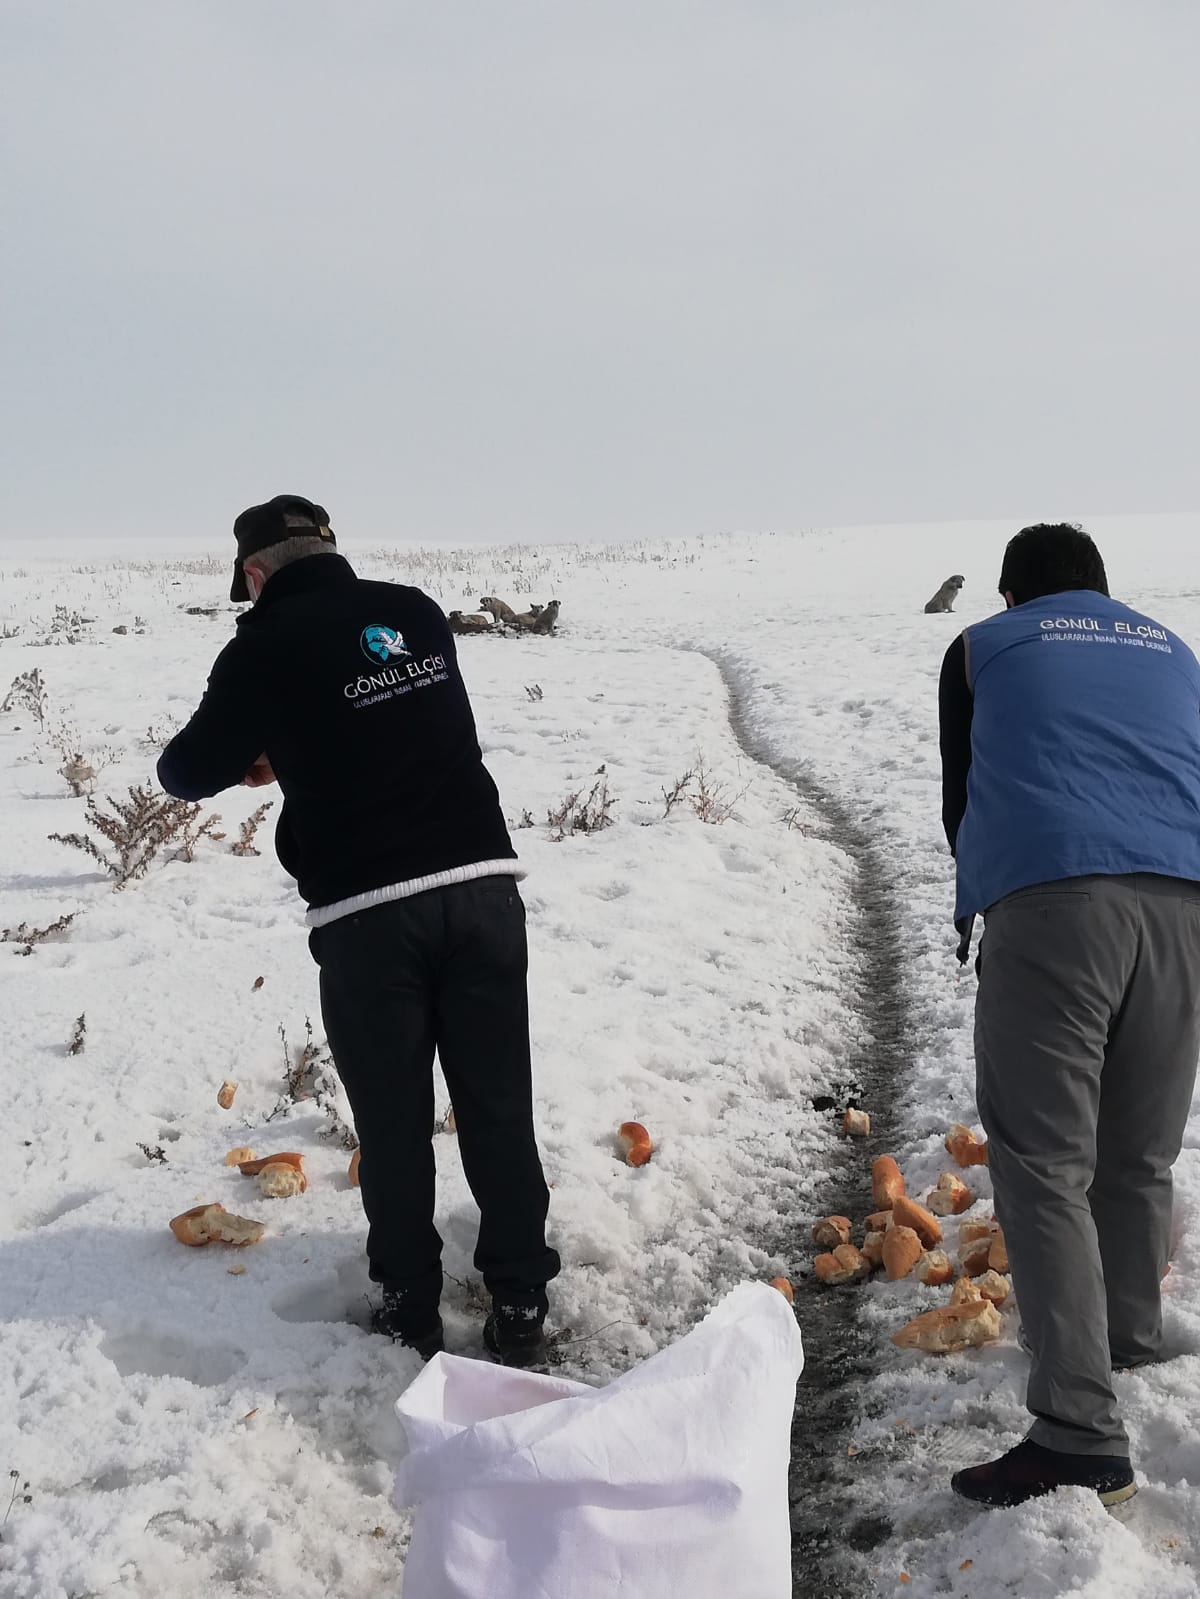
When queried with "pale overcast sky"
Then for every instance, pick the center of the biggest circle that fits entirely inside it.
(611, 269)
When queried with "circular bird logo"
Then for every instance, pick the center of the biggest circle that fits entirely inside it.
(382, 643)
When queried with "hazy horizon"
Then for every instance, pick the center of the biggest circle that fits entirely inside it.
(601, 271)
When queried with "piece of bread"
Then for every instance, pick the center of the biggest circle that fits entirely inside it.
(965, 1290)
(353, 1172)
(974, 1258)
(887, 1182)
(635, 1143)
(969, 1232)
(856, 1123)
(907, 1213)
(966, 1149)
(210, 1224)
(951, 1196)
(844, 1265)
(251, 1168)
(878, 1221)
(831, 1231)
(872, 1249)
(901, 1252)
(225, 1094)
(934, 1268)
(998, 1253)
(278, 1180)
(994, 1287)
(950, 1328)
(236, 1156)
(785, 1288)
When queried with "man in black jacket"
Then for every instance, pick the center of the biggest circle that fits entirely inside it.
(348, 693)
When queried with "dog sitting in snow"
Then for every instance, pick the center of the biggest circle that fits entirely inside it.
(945, 597)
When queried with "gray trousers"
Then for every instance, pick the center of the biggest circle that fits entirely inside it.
(1087, 1030)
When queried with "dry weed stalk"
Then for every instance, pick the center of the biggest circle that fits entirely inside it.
(30, 937)
(245, 845)
(78, 1036)
(678, 791)
(309, 1074)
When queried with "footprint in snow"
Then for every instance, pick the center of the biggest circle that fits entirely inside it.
(148, 1351)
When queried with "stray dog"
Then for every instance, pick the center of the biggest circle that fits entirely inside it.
(945, 597)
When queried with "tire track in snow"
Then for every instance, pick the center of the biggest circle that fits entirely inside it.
(828, 1543)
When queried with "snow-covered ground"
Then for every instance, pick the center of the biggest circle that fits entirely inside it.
(187, 1430)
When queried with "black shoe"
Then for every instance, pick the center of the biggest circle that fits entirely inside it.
(396, 1318)
(515, 1335)
(1030, 1470)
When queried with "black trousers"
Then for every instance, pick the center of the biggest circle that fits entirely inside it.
(443, 970)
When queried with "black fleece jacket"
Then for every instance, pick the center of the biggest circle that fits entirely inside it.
(352, 691)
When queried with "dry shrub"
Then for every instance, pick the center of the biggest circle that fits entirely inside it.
(579, 815)
(135, 829)
(713, 802)
(28, 691)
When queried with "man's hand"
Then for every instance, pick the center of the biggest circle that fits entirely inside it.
(260, 774)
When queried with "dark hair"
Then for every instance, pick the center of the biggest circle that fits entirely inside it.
(1051, 558)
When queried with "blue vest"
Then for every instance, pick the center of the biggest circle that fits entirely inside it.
(1085, 749)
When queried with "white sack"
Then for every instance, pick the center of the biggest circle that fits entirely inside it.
(670, 1483)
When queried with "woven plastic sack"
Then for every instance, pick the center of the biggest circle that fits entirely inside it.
(669, 1483)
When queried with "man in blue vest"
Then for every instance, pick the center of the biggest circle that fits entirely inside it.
(1070, 731)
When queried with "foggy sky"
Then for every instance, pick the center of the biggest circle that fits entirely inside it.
(514, 270)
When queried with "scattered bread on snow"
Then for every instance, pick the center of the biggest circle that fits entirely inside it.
(998, 1253)
(353, 1172)
(785, 1288)
(901, 1251)
(845, 1265)
(966, 1149)
(974, 1258)
(277, 1180)
(993, 1286)
(831, 1231)
(857, 1123)
(878, 1221)
(934, 1268)
(907, 1213)
(635, 1143)
(950, 1328)
(225, 1094)
(251, 1168)
(965, 1291)
(872, 1249)
(887, 1182)
(951, 1196)
(237, 1156)
(213, 1224)
(969, 1232)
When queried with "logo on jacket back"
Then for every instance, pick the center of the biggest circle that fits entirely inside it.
(383, 643)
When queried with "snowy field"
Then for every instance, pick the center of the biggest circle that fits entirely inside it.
(171, 1427)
